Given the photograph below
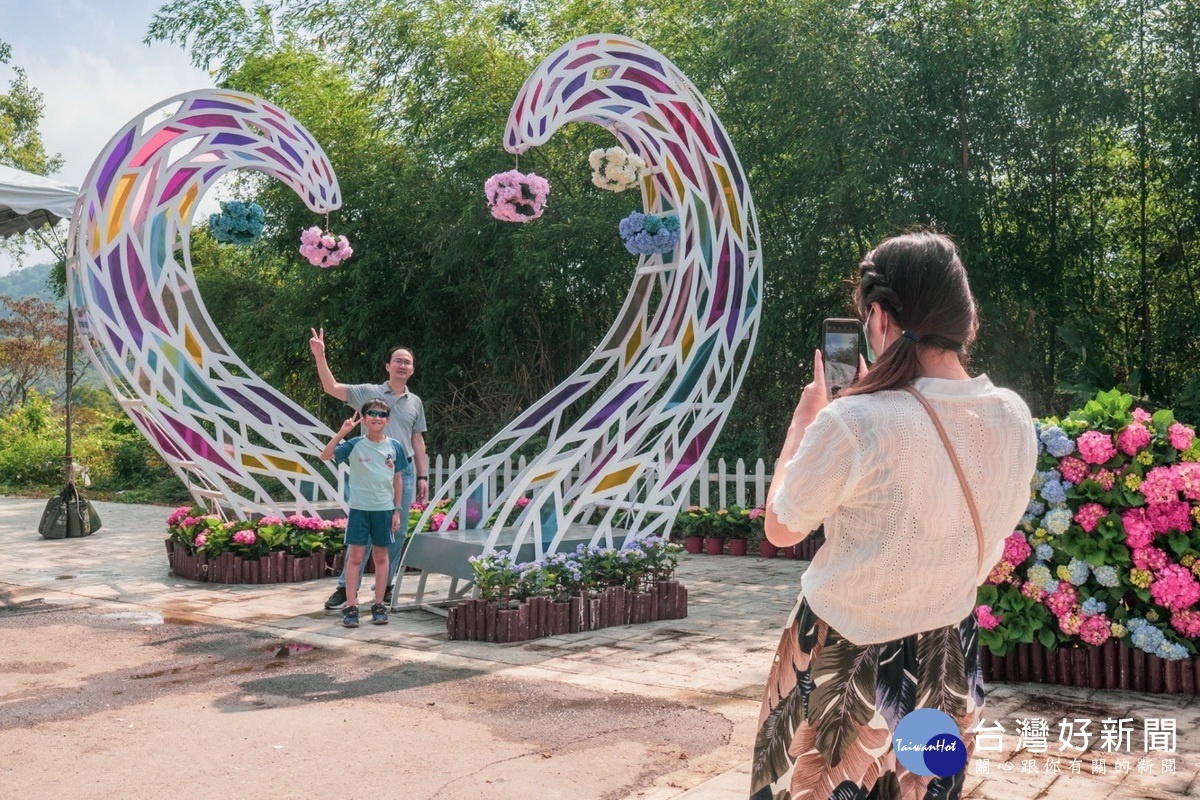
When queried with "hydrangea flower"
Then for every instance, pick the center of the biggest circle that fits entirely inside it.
(1106, 575)
(1044, 552)
(986, 619)
(1089, 514)
(1057, 443)
(1096, 447)
(1092, 606)
(1057, 521)
(1133, 437)
(1180, 436)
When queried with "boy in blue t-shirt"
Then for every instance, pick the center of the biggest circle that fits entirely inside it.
(376, 488)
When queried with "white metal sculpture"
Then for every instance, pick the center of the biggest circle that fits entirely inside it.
(221, 427)
(660, 385)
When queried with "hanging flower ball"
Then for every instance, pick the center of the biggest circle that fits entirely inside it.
(615, 170)
(238, 223)
(646, 234)
(516, 197)
(323, 249)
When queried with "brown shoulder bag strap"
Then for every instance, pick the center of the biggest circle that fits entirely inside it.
(958, 470)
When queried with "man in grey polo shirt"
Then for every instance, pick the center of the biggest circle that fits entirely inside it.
(406, 425)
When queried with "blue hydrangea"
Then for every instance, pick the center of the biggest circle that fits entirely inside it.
(1054, 492)
(1091, 607)
(1057, 520)
(1035, 508)
(1106, 575)
(1057, 443)
(1039, 576)
(1147, 637)
(1079, 571)
(1044, 552)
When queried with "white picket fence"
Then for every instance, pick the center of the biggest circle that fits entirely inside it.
(716, 488)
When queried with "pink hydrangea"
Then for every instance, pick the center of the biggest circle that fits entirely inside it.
(755, 513)
(1073, 469)
(1161, 485)
(1089, 514)
(1070, 623)
(437, 520)
(1189, 479)
(1063, 599)
(986, 619)
(1033, 592)
(522, 502)
(201, 540)
(1181, 436)
(1133, 437)
(1000, 573)
(1141, 415)
(1016, 548)
(417, 506)
(1106, 480)
(1149, 558)
(245, 537)
(1173, 516)
(1095, 630)
(1095, 447)
(1138, 532)
(1175, 587)
(270, 521)
(178, 514)
(1187, 622)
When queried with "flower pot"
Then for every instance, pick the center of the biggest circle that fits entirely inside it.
(767, 550)
(714, 546)
(787, 552)
(737, 547)
(693, 544)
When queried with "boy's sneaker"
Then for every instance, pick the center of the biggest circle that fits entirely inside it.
(387, 596)
(350, 617)
(337, 599)
(378, 614)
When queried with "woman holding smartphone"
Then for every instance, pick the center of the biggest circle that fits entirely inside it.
(918, 473)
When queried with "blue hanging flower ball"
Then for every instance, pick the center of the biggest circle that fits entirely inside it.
(238, 223)
(647, 234)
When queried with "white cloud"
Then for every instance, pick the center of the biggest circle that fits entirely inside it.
(94, 72)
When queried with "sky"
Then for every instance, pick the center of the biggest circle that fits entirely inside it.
(94, 73)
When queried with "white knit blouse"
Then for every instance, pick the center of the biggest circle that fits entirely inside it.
(900, 555)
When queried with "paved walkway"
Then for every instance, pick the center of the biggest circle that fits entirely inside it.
(717, 658)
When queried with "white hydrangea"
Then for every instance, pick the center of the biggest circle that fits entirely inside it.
(615, 170)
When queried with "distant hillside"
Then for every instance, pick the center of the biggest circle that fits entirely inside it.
(30, 281)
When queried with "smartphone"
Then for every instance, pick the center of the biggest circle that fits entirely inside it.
(839, 348)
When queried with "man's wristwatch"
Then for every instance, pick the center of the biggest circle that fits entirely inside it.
(422, 477)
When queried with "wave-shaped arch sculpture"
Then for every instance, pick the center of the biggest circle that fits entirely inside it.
(668, 370)
(220, 427)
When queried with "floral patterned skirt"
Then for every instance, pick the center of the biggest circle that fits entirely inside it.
(831, 706)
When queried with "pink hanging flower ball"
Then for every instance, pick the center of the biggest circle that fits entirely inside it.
(515, 196)
(323, 249)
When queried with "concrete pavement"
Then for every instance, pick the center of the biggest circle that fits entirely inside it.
(716, 659)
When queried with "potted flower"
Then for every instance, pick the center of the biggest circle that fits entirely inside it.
(738, 529)
(758, 535)
(690, 526)
(715, 533)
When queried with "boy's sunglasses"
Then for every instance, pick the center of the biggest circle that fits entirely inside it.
(377, 414)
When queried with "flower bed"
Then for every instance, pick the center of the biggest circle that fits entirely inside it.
(203, 547)
(1104, 568)
(592, 588)
(714, 531)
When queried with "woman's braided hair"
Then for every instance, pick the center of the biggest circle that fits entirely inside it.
(919, 280)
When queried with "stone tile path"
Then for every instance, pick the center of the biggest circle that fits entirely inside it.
(717, 658)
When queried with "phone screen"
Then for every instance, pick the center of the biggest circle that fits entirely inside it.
(839, 347)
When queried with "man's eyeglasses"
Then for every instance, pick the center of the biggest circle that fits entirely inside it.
(377, 414)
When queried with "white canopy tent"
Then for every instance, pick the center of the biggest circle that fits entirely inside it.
(28, 201)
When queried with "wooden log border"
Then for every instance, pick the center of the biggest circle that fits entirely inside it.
(1112, 665)
(275, 567)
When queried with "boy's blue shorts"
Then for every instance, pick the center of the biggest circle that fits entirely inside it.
(369, 527)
